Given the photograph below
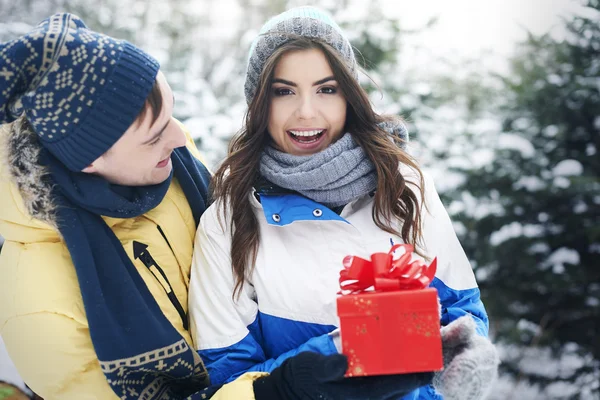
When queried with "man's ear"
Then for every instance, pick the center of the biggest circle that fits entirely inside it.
(90, 169)
(95, 166)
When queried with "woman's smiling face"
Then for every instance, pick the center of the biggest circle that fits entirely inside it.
(307, 108)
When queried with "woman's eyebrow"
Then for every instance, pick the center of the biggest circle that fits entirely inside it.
(284, 81)
(290, 83)
(322, 81)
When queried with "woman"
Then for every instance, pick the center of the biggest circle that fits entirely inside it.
(313, 176)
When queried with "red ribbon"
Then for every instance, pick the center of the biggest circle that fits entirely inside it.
(384, 273)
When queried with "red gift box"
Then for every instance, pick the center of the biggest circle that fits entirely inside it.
(389, 319)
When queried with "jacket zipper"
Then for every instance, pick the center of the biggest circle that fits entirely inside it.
(161, 277)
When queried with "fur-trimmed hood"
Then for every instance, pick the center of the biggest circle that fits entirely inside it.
(20, 150)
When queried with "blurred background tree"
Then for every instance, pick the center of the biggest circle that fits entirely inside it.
(513, 153)
(532, 215)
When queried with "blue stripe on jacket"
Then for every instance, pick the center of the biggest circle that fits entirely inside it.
(456, 303)
(292, 207)
(227, 363)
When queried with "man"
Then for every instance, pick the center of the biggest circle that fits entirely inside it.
(100, 194)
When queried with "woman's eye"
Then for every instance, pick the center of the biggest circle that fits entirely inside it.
(328, 90)
(282, 92)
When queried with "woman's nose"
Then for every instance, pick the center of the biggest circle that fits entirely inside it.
(306, 108)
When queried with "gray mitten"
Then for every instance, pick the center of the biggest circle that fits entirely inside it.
(470, 362)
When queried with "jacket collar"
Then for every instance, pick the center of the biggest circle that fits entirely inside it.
(22, 151)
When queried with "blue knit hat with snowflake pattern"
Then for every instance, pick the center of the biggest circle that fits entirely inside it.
(80, 90)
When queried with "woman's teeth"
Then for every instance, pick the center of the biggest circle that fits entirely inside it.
(306, 133)
(307, 136)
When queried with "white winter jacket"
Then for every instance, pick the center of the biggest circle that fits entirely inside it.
(288, 303)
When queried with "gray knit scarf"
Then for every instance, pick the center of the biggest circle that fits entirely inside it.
(333, 177)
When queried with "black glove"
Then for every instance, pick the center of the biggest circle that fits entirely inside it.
(315, 376)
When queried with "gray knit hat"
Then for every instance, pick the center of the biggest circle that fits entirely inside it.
(80, 90)
(309, 22)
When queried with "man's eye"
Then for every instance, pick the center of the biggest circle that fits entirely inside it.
(156, 141)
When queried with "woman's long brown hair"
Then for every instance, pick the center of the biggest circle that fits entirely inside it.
(232, 184)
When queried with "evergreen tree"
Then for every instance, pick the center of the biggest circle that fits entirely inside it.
(535, 233)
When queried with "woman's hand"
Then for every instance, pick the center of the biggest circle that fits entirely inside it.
(470, 362)
(315, 376)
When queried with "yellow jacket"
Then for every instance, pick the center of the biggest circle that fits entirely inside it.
(42, 318)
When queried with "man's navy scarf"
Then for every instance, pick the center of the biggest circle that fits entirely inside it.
(141, 354)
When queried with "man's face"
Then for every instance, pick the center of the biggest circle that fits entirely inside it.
(142, 156)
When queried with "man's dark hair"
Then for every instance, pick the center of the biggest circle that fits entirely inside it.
(153, 101)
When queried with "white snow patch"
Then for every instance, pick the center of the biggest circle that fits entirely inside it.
(481, 157)
(456, 207)
(541, 361)
(568, 168)
(521, 123)
(562, 390)
(480, 208)
(550, 131)
(446, 180)
(592, 302)
(555, 80)
(487, 125)
(484, 271)
(580, 207)
(459, 228)
(539, 248)
(530, 183)
(543, 217)
(594, 248)
(560, 257)
(422, 88)
(516, 142)
(561, 182)
(528, 326)
(514, 230)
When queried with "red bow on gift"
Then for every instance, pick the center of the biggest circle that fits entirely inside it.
(385, 273)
